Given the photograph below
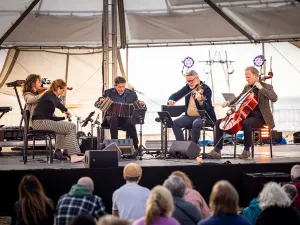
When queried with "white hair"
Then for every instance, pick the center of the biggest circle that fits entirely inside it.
(295, 172)
(88, 182)
(192, 73)
(175, 185)
(273, 195)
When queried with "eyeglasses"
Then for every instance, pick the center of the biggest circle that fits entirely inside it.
(190, 81)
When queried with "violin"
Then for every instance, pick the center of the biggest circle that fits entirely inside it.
(196, 92)
(42, 90)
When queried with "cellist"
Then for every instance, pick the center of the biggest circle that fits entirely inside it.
(259, 116)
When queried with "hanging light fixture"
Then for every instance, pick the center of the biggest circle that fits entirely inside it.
(259, 60)
(188, 62)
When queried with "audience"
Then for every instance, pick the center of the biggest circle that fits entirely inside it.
(79, 200)
(186, 213)
(112, 220)
(275, 205)
(129, 201)
(252, 211)
(223, 203)
(83, 219)
(160, 207)
(33, 207)
(295, 175)
(193, 196)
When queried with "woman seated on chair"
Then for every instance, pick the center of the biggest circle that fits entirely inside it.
(32, 90)
(43, 118)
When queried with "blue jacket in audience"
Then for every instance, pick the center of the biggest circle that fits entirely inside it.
(252, 211)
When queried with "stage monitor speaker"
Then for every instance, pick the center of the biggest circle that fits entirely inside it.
(101, 159)
(114, 147)
(184, 149)
(125, 145)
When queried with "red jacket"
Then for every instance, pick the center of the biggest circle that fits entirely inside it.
(297, 199)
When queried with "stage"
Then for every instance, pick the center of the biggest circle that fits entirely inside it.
(58, 177)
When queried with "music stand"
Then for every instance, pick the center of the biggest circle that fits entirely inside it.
(138, 117)
(167, 122)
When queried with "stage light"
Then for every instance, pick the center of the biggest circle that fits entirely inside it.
(230, 69)
(259, 60)
(206, 69)
(264, 133)
(188, 62)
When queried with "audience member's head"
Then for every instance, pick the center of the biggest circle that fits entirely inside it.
(291, 191)
(87, 182)
(159, 203)
(273, 195)
(32, 194)
(295, 172)
(224, 199)
(83, 219)
(132, 172)
(112, 220)
(185, 178)
(175, 185)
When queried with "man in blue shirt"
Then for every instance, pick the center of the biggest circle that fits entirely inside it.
(120, 94)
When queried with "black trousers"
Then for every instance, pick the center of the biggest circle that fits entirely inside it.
(248, 124)
(115, 122)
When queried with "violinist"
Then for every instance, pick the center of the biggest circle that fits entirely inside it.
(43, 118)
(259, 116)
(193, 103)
(32, 90)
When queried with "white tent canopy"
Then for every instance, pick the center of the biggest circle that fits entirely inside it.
(77, 22)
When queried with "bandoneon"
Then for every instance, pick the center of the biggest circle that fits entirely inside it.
(112, 108)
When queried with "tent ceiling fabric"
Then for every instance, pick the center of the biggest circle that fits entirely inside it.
(77, 22)
(190, 27)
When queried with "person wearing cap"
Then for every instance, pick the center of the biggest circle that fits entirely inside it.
(129, 201)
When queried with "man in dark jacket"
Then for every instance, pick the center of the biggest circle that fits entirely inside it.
(122, 95)
(193, 102)
(186, 213)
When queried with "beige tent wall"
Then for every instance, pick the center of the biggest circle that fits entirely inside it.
(84, 75)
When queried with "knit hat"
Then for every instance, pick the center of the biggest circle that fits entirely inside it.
(132, 170)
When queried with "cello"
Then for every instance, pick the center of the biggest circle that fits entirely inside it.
(233, 122)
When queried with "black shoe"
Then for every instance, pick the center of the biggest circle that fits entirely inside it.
(65, 153)
(59, 155)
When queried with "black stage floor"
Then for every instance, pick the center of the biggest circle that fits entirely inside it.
(58, 177)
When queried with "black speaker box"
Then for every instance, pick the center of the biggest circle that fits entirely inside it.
(184, 149)
(101, 159)
(87, 145)
(296, 136)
